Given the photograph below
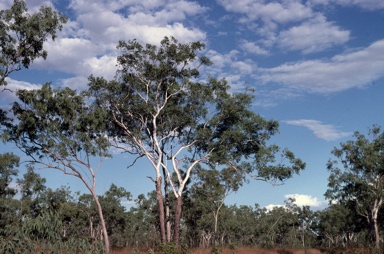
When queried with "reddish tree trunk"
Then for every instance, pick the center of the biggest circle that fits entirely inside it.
(160, 203)
(176, 229)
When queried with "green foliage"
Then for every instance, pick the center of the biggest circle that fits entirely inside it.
(8, 162)
(57, 125)
(171, 248)
(359, 183)
(43, 234)
(46, 226)
(160, 107)
(22, 36)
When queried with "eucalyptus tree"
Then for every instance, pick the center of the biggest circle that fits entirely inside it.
(56, 129)
(23, 34)
(359, 182)
(161, 108)
(32, 189)
(143, 222)
(8, 206)
(115, 214)
(338, 226)
(22, 38)
(210, 190)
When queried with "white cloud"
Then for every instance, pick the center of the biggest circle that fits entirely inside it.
(8, 96)
(75, 83)
(301, 200)
(280, 12)
(320, 130)
(138, 20)
(253, 48)
(174, 11)
(342, 72)
(312, 36)
(306, 200)
(87, 44)
(289, 24)
(229, 67)
(243, 67)
(272, 206)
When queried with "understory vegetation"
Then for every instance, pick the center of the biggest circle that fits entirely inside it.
(61, 221)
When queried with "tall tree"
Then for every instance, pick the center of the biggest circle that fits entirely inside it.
(57, 130)
(360, 180)
(160, 108)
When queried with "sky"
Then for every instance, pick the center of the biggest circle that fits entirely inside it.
(317, 67)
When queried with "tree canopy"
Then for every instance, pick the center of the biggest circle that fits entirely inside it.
(160, 107)
(58, 130)
(22, 36)
(359, 182)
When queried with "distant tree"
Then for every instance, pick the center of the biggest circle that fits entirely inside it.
(143, 221)
(115, 214)
(360, 181)
(57, 130)
(338, 226)
(160, 109)
(32, 190)
(210, 190)
(8, 206)
(22, 36)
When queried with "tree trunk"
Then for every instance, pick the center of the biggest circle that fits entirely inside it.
(375, 226)
(376, 232)
(216, 218)
(176, 227)
(167, 209)
(160, 204)
(101, 216)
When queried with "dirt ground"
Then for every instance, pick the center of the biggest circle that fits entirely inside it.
(242, 250)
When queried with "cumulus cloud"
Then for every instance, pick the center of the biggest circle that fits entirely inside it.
(138, 20)
(339, 73)
(323, 131)
(87, 44)
(305, 200)
(270, 207)
(301, 200)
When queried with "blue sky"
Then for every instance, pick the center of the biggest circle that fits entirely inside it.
(317, 67)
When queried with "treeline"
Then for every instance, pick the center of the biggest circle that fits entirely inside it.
(34, 216)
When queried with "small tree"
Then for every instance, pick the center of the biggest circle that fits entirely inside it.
(8, 206)
(212, 188)
(360, 180)
(57, 130)
(160, 109)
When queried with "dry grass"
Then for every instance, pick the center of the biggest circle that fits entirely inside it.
(240, 250)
